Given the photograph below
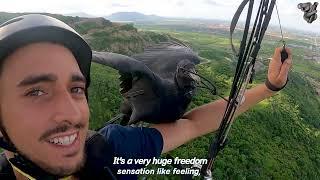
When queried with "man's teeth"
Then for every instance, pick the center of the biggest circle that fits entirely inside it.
(66, 140)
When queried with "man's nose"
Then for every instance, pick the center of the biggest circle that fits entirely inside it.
(66, 108)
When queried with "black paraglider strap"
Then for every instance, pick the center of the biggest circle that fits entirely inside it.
(248, 52)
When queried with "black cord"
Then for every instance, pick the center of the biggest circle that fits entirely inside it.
(249, 49)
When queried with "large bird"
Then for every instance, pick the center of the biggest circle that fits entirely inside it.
(158, 84)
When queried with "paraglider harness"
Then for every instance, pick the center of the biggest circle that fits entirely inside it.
(245, 70)
(244, 74)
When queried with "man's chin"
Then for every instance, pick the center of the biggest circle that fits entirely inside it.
(65, 169)
(62, 168)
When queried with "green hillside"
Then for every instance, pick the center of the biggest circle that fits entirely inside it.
(277, 139)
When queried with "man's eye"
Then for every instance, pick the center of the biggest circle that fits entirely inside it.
(35, 92)
(78, 90)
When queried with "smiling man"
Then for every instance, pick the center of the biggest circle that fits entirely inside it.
(44, 77)
(43, 99)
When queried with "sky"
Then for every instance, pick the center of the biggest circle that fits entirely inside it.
(290, 15)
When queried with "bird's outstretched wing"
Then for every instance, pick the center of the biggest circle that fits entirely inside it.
(122, 63)
(139, 86)
(129, 69)
(163, 58)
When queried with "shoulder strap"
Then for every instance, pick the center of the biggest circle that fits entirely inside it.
(99, 158)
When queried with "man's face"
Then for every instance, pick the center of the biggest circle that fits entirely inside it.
(43, 106)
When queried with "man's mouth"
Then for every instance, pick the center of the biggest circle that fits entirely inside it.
(65, 140)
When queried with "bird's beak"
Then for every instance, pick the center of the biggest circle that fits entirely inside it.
(194, 76)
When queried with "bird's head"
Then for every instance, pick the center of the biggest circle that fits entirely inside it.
(186, 74)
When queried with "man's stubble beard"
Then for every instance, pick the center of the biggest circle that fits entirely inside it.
(58, 171)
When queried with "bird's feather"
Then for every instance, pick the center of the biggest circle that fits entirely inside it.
(163, 58)
(129, 69)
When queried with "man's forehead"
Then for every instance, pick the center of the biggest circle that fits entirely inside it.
(45, 54)
(39, 59)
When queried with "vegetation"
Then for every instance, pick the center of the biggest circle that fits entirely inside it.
(277, 139)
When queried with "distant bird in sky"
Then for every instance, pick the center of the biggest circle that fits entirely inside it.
(158, 84)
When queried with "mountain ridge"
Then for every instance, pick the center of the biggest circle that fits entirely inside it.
(132, 16)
